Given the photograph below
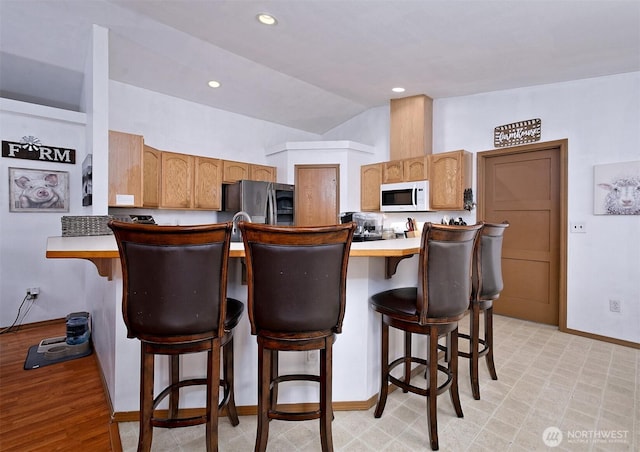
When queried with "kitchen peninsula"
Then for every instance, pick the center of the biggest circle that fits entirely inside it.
(356, 353)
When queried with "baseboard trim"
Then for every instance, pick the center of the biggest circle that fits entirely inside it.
(252, 410)
(28, 326)
(598, 337)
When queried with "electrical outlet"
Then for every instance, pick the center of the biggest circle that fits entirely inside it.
(614, 305)
(312, 356)
(578, 227)
(33, 292)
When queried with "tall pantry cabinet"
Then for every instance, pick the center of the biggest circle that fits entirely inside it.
(134, 171)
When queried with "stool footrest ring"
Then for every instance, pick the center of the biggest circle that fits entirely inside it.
(482, 352)
(415, 389)
(185, 421)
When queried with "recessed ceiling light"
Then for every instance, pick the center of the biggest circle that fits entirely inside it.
(398, 90)
(214, 84)
(267, 19)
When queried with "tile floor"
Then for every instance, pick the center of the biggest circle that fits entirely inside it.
(587, 390)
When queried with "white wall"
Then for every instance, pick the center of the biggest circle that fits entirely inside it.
(172, 124)
(23, 235)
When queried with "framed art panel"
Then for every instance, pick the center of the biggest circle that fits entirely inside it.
(32, 190)
(617, 189)
(87, 181)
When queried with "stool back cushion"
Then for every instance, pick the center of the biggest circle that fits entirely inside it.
(174, 278)
(446, 256)
(487, 281)
(296, 277)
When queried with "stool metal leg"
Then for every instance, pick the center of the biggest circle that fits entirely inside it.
(453, 370)
(228, 377)
(407, 359)
(146, 400)
(384, 369)
(432, 395)
(474, 349)
(326, 409)
(488, 338)
(213, 381)
(174, 377)
(264, 402)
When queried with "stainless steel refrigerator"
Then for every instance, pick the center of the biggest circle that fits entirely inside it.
(264, 202)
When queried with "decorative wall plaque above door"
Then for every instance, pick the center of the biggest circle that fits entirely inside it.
(517, 133)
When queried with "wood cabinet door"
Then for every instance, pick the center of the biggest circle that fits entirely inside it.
(125, 169)
(450, 174)
(262, 173)
(317, 195)
(416, 169)
(151, 162)
(176, 188)
(392, 172)
(234, 171)
(410, 127)
(207, 184)
(370, 180)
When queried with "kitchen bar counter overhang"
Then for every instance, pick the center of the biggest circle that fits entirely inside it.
(99, 248)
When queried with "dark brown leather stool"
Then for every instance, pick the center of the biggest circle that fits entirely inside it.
(296, 281)
(433, 308)
(174, 301)
(487, 286)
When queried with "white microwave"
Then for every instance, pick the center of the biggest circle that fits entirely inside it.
(405, 197)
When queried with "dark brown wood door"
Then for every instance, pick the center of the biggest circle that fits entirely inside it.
(524, 187)
(317, 195)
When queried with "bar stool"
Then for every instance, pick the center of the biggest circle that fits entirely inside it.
(433, 309)
(174, 301)
(296, 281)
(487, 286)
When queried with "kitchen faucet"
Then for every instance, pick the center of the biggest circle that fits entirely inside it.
(237, 216)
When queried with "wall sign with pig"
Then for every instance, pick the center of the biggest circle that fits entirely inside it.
(38, 190)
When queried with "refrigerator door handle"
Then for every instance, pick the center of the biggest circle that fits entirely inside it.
(271, 203)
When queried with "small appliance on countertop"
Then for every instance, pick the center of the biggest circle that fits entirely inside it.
(368, 225)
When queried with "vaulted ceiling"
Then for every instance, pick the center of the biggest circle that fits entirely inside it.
(324, 62)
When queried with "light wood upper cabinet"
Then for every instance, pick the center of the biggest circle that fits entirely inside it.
(262, 173)
(176, 182)
(450, 175)
(411, 127)
(370, 180)
(416, 168)
(190, 182)
(207, 184)
(134, 170)
(392, 171)
(141, 176)
(151, 162)
(234, 171)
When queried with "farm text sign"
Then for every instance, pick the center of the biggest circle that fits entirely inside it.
(31, 149)
(517, 133)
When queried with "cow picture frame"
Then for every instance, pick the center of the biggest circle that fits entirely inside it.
(35, 190)
(617, 189)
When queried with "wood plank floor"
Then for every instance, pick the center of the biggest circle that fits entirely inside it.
(60, 407)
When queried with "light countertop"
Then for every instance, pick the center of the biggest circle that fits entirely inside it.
(104, 246)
